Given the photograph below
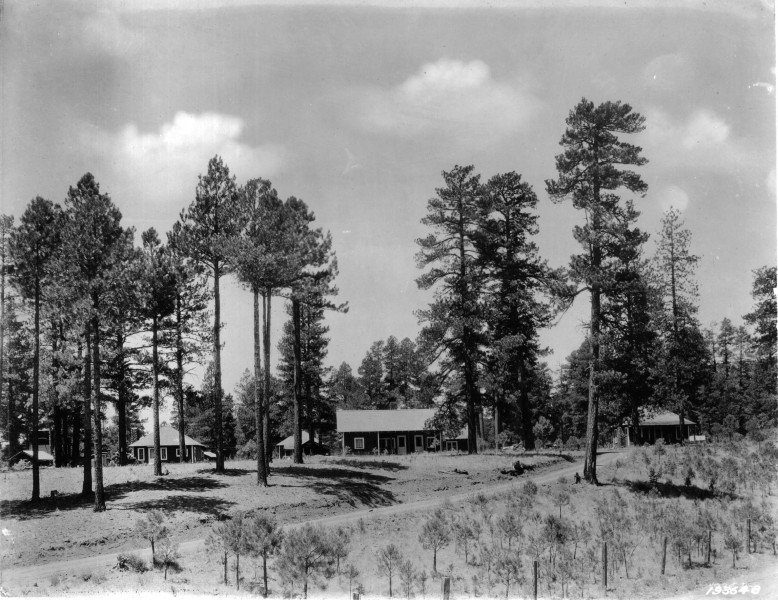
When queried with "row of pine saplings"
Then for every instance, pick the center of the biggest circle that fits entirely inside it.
(499, 539)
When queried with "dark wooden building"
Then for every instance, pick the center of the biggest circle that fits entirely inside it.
(285, 447)
(143, 449)
(653, 426)
(402, 431)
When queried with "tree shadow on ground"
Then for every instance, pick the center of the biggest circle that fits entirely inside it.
(196, 504)
(226, 472)
(565, 457)
(351, 487)
(26, 509)
(384, 465)
(672, 490)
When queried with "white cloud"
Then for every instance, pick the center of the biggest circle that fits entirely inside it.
(703, 140)
(673, 196)
(704, 129)
(770, 181)
(161, 167)
(449, 96)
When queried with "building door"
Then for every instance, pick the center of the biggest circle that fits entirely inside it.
(401, 448)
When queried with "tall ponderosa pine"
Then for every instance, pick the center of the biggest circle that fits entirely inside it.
(590, 174)
(188, 333)
(6, 227)
(516, 278)
(158, 303)
(454, 320)
(34, 244)
(674, 267)
(124, 319)
(260, 259)
(313, 350)
(312, 268)
(208, 229)
(93, 243)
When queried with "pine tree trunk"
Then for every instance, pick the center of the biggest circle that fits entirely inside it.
(258, 400)
(266, 313)
(2, 344)
(98, 429)
(298, 447)
(590, 460)
(36, 481)
(180, 382)
(155, 375)
(524, 407)
(217, 370)
(121, 401)
(75, 444)
(86, 489)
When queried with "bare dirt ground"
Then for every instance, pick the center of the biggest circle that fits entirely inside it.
(413, 487)
(64, 527)
(381, 501)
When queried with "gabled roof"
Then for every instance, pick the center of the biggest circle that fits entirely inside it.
(167, 437)
(288, 443)
(663, 417)
(411, 419)
(42, 455)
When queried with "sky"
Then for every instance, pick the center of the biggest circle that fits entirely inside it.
(358, 107)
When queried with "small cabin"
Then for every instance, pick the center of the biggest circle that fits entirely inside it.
(285, 447)
(169, 450)
(664, 425)
(399, 431)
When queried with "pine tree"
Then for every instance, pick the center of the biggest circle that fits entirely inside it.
(6, 227)
(259, 256)
(516, 279)
(590, 174)
(93, 243)
(453, 321)
(33, 246)
(158, 303)
(208, 229)
(674, 268)
(187, 335)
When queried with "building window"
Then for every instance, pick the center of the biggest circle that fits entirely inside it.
(431, 445)
(178, 452)
(163, 453)
(359, 443)
(452, 445)
(418, 442)
(141, 454)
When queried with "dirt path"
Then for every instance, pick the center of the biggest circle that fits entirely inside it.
(13, 579)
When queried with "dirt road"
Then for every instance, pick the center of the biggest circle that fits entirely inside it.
(15, 578)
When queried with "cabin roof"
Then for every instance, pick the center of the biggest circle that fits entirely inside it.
(168, 436)
(663, 417)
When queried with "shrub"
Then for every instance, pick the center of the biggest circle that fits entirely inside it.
(168, 555)
(131, 562)
(153, 528)
(529, 489)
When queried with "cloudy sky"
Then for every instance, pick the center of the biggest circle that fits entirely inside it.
(358, 107)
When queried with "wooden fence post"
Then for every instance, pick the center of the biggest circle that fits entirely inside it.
(748, 529)
(535, 579)
(664, 554)
(446, 588)
(605, 566)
